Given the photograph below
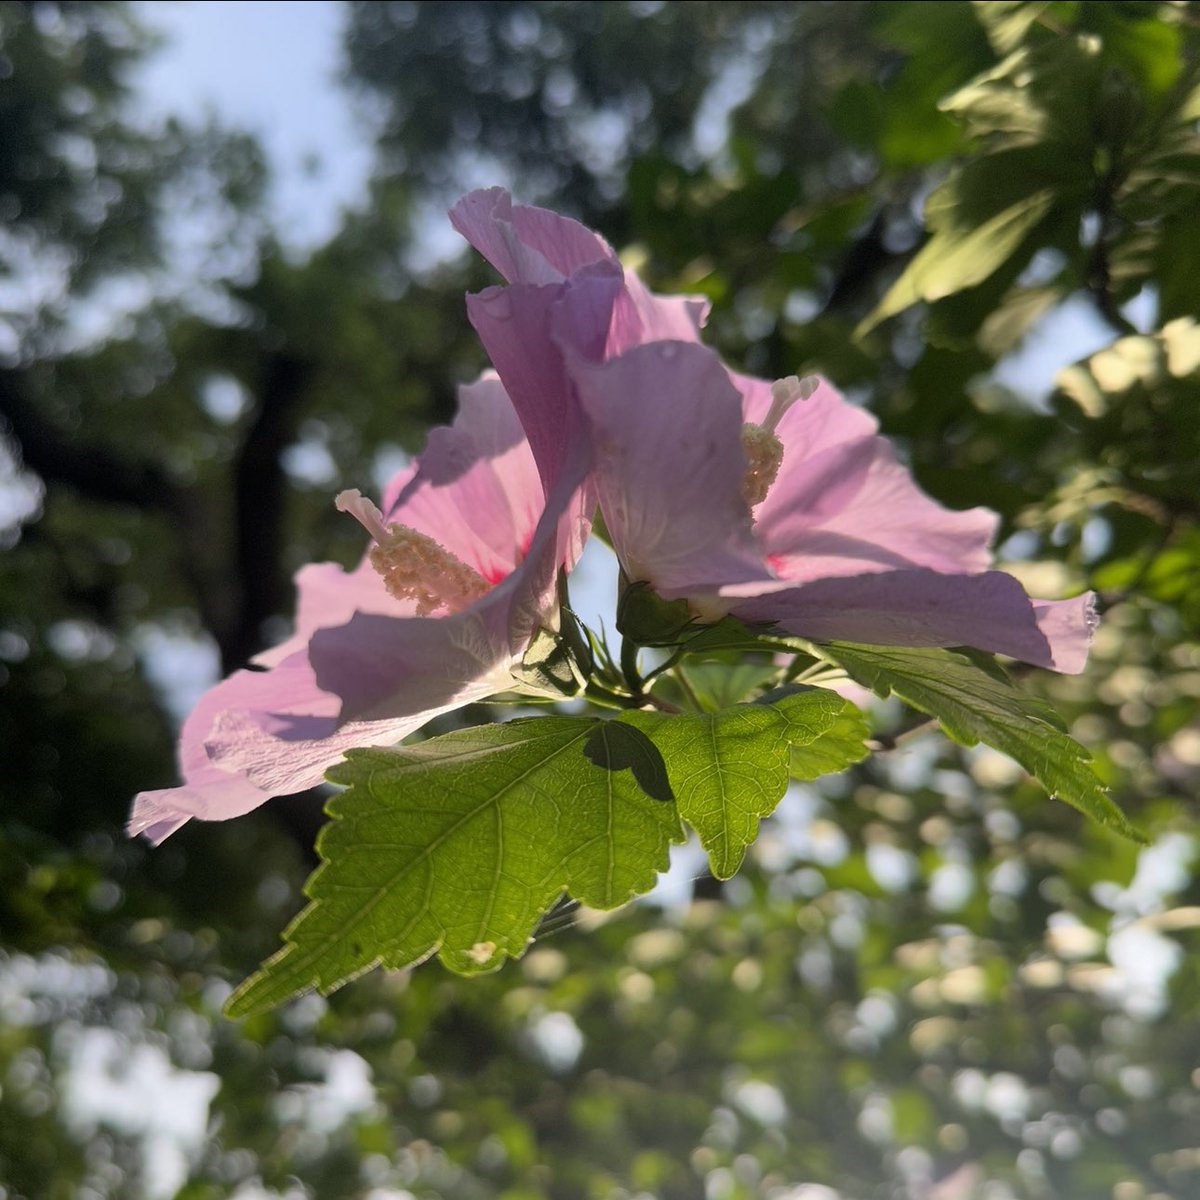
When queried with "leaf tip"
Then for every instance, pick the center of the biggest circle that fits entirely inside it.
(274, 983)
(1124, 827)
(247, 1000)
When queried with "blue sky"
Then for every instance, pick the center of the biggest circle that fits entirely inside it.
(271, 69)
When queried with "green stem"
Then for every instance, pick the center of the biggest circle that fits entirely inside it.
(665, 665)
(815, 673)
(606, 698)
(685, 685)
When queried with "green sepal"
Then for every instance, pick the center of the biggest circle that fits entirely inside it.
(557, 665)
(646, 618)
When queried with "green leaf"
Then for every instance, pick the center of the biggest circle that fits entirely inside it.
(1008, 21)
(838, 746)
(715, 685)
(1140, 396)
(963, 255)
(1148, 47)
(975, 701)
(1009, 321)
(649, 620)
(458, 845)
(730, 769)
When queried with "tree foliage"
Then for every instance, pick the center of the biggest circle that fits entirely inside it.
(924, 971)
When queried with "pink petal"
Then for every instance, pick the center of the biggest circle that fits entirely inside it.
(843, 504)
(475, 488)
(517, 326)
(640, 316)
(283, 752)
(853, 508)
(666, 423)
(1069, 626)
(380, 667)
(535, 246)
(988, 611)
(328, 594)
(526, 245)
(568, 291)
(260, 734)
(208, 791)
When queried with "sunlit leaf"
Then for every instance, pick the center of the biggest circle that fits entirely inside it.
(456, 846)
(961, 256)
(729, 769)
(974, 701)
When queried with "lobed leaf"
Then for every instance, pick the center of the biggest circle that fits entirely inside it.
(975, 701)
(458, 845)
(729, 769)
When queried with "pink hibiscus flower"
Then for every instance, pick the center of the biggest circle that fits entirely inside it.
(781, 504)
(778, 503)
(461, 574)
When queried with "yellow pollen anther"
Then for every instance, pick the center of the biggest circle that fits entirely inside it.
(764, 453)
(414, 566)
(764, 450)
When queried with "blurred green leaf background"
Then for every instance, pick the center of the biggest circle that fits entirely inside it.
(928, 981)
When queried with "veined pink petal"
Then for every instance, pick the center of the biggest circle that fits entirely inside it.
(328, 594)
(477, 492)
(260, 734)
(530, 245)
(843, 504)
(526, 244)
(568, 293)
(640, 316)
(516, 325)
(373, 663)
(1069, 626)
(209, 792)
(283, 751)
(989, 611)
(476, 489)
(853, 508)
(666, 423)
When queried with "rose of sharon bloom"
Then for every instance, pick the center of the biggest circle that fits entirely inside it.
(779, 503)
(566, 289)
(461, 574)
